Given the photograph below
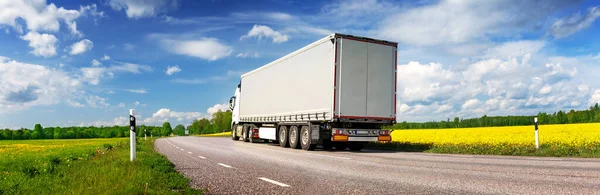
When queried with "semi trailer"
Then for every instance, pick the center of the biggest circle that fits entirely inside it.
(339, 91)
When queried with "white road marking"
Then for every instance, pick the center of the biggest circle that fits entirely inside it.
(202, 157)
(344, 158)
(181, 149)
(189, 152)
(274, 182)
(224, 165)
(177, 147)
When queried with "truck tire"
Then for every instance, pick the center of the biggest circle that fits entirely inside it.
(234, 136)
(340, 146)
(245, 136)
(305, 139)
(356, 146)
(294, 137)
(283, 136)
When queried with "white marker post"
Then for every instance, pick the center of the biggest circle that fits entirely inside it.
(132, 134)
(537, 140)
(145, 136)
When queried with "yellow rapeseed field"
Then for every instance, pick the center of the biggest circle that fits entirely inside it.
(222, 134)
(577, 135)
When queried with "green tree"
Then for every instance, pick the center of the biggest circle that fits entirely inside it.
(38, 131)
(179, 130)
(166, 129)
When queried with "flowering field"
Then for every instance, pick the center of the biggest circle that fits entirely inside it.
(555, 140)
(222, 134)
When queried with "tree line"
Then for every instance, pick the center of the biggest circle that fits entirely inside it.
(591, 115)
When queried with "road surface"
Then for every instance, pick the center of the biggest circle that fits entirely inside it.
(224, 166)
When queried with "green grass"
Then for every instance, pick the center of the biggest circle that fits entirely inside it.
(86, 166)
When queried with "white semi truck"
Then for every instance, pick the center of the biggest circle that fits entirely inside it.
(336, 92)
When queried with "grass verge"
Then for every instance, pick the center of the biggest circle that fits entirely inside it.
(86, 166)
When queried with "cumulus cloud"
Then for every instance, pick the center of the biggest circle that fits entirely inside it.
(96, 63)
(96, 101)
(454, 22)
(493, 86)
(261, 31)
(119, 121)
(205, 48)
(172, 70)
(25, 85)
(247, 55)
(105, 57)
(569, 25)
(143, 8)
(165, 114)
(81, 47)
(596, 97)
(38, 16)
(42, 44)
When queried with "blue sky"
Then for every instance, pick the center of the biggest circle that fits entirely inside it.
(70, 63)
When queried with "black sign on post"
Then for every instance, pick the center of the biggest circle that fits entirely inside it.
(132, 123)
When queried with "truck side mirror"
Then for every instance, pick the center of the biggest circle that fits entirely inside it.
(232, 103)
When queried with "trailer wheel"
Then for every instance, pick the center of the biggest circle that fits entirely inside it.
(294, 137)
(283, 136)
(305, 139)
(245, 134)
(234, 136)
(340, 146)
(355, 146)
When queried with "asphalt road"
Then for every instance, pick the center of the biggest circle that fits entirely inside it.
(224, 166)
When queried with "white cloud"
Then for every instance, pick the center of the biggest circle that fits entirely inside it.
(42, 44)
(165, 114)
(574, 23)
(596, 97)
(119, 121)
(38, 16)
(172, 70)
(81, 47)
(96, 101)
(216, 108)
(130, 67)
(140, 91)
(105, 57)
(143, 8)
(205, 48)
(25, 85)
(455, 22)
(247, 55)
(121, 105)
(494, 86)
(261, 31)
(470, 104)
(93, 75)
(96, 63)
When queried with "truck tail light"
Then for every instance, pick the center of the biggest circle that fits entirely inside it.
(384, 132)
(340, 132)
(254, 133)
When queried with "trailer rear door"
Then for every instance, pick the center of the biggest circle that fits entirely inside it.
(365, 79)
